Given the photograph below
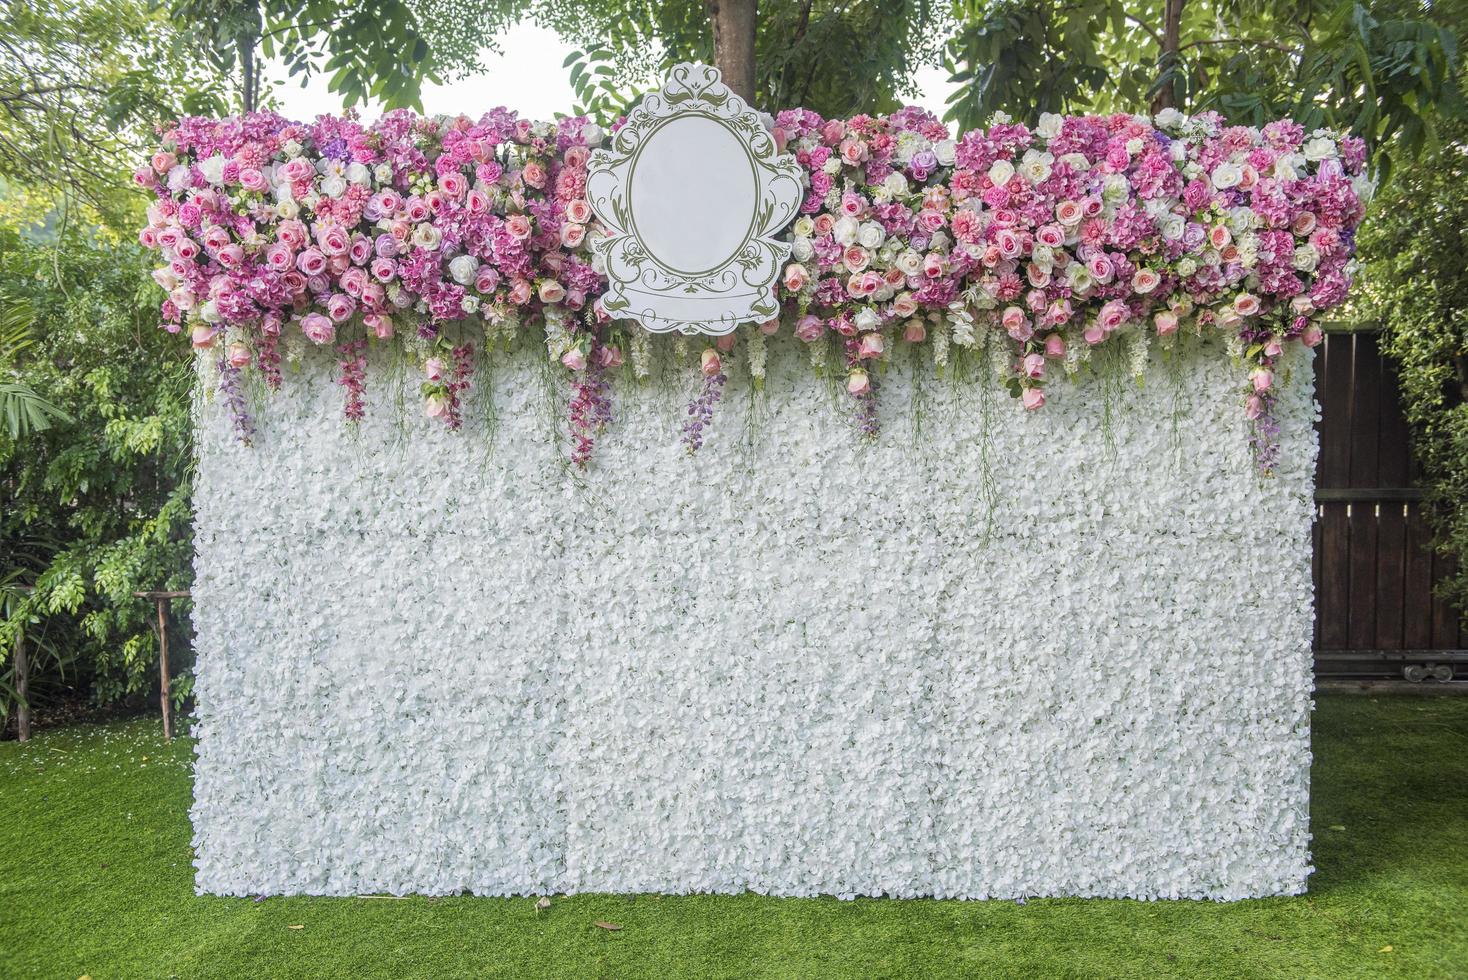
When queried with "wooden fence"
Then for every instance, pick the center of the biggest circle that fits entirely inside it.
(1375, 611)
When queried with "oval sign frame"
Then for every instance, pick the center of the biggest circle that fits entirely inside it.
(643, 284)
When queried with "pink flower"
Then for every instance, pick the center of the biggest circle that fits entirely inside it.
(311, 262)
(436, 407)
(1246, 304)
(809, 327)
(1113, 315)
(870, 346)
(725, 343)
(1145, 280)
(433, 369)
(1032, 398)
(855, 258)
(518, 226)
(1263, 380)
(202, 335)
(1033, 366)
(1253, 407)
(609, 357)
(239, 355)
(572, 234)
(709, 363)
(1016, 324)
(1311, 336)
(1054, 346)
(933, 265)
(1094, 334)
(380, 324)
(578, 211)
(1166, 322)
(163, 162)
(770, 327)
(795, 277)
(914, 332)
(520, 292)
(575, 359)
(858, 383)
(340, 307)
(318, 328)
(551, 291)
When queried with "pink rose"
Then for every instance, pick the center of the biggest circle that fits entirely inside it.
(1052, 236)
(576, 156)
(231, 256)
(1246, 304)
(436, 407)
(933, 265)
(709, 363)
(1033, 366)
(770, 327)
(1113, 315)
(1311, 336)
(575, 359)
(533, 175)
(609, 357)
(572, 234)
(1054, 346)
(486, 279)
(796, 277)
(202, 335)
(915, 332)
(340, 307)
(518, 226)
(853, 152)
(551, 291)
(239, 355)
(824, 223)
(858, 383)
(163, 162)
(1094, 334)
(520, 292)
(1016, 324)
(1032, 398)
(433, 369)
(1253, 407)
(311, 262)
(725, 343)
(380, 324)
(1219, 236)
(578, 211)
(1068, 213)
(318, 328)
(453, 184)
(871, 346)
(905, 305)
(855, 257)
(1166, 322)
(334, 240)
(1263, 380)
(809, 327)
(384, 269)
(1145, 280)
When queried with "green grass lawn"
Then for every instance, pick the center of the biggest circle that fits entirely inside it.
(95, 880)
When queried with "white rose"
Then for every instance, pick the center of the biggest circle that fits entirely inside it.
(287, 209)
(946, 151)
(1227, 175)
(1115, 188)
(832, 166)
(1079, 277)
(871, 235)
(426, 235)
(291, 148)
(1001, 118)
(910, 262)
(845, 229)
(1134, 146)
(1320, 148)
(209, 312)
(382, 173)
(213, 169)
(1076, 162)
(802, 250)
(1000, 172)
(895, 184)
(804, 226)
(1042, 255)
(358, 173)
(939, 241)
(1035, 166)
(1170, 118)
(1187, 266)
(1173, 226)
(1178, 151)
(593, 134)
(1364, 187)
(463, 268)
(867, 319)
(333, 186)
(1306, 258)
(1050, 124)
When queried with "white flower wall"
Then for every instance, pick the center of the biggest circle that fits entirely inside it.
(796, 663)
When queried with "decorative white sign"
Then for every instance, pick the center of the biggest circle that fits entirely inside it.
(693, 192)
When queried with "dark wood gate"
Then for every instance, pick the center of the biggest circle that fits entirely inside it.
(1376, 615)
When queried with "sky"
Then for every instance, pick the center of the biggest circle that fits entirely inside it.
(527, 77)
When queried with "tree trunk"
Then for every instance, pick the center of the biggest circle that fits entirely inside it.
(1168, 58)
(733, 25)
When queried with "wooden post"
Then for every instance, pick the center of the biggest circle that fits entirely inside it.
(22, 689)
(164, 699)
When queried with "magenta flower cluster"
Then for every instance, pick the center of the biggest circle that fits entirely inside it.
(1036, 243)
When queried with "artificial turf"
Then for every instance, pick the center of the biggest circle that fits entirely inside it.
(95, 880)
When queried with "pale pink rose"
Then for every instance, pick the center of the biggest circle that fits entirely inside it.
(297, 169)
(770, 327)
(239, 355)
(1273, 348)
(1113, 315)
(1253, 407)
(1303, 224)
(163, 162)
(578, 211)
(572, 235)
(231, 256)
(1311, 336)
(575, 359)
(1219, 236)
(215, 237)
(1246, 304)
(380, 324)
(809, 327)
(609, 357)
(1263, 380)
(318, 328)
(933, 265)
(334, 240)
(453, 184)
(533, 174)
(520, 292)
(384, 269)
(1016, 324)
(551, 291)
(486, 279)
(1091, 207)
(905, 305)
(576, 156)
(1052, 236)
(1094, 334)
(1166, 322)
(853, 152)
(1054, 346)
(202, 335)
(436, 407)
(311, 262)
(476, 201)
(858, 383)
(518, 226)
(1032, 398)
(433, 369)
(871, 346)
(340, 307)
(725, 343)
(833, 131)
(292, 232)
(915, 332)
(824, 223)
(1069, 213)
(930, 220)
(1033, 366)
(709, 362)
(1145, 280)
(796, 277)
(253, 180)
(185, 248)
(1008, 242)
(1100, 268)
(856, 258)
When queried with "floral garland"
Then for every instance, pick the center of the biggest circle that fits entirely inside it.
(1028, 247)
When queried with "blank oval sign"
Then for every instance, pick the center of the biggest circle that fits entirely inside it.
(693, 194)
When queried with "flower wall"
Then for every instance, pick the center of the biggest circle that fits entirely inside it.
(981, 653)
(456, 240)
